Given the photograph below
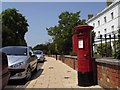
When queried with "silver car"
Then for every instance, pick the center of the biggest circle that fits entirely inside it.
(21, 61)
(40, 55)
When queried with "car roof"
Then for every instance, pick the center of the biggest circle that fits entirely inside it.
(37, 50)
(16, 47)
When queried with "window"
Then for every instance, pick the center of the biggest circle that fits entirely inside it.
(98, 33)
(105, 30)
(99, 23)
(105, 19)
(112, 16)
(112, 27)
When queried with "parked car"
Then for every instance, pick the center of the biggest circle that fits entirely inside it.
(21, 61)
(4, 73)
(40, 55)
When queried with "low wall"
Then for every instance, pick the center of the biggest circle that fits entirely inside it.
(69, 60)
(107, 71)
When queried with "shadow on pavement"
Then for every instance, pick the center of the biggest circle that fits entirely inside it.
(37, 74)
(24, 82)
(42, 61)
(17, 82)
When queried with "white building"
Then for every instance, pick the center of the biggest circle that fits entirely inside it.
(107, 21)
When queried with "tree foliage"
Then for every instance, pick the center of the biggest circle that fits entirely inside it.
(118, 46)
(105, 51)
(0, 31)
(47, 48)
(43, 47)
(14, 27)
(63, 32)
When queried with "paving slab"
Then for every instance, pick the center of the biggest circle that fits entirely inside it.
(56, 74)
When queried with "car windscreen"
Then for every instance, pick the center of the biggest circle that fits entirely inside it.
(15, 51)
(37, 52)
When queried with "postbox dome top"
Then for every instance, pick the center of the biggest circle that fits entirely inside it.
(83, 27)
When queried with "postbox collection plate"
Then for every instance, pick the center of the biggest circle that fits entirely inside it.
(80, 43)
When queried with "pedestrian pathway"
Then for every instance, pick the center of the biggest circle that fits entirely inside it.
(56, 74)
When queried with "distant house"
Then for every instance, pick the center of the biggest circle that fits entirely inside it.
(107, 21)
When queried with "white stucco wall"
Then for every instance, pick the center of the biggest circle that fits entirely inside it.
(115, 8)
(119, 16)
(110, 22)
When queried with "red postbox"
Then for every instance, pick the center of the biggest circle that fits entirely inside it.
(83, 46)
(75, 44)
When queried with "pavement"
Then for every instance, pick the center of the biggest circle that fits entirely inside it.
(55, 74)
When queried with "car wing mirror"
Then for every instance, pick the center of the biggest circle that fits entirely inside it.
(30, 53)
(33, 55)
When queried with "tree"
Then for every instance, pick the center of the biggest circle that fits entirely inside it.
(0, 31)
(42, 47)
(63, 32)
(14, 27)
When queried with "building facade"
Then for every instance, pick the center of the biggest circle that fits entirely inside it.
(107, 21)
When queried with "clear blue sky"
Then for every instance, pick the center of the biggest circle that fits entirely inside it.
(42, 15)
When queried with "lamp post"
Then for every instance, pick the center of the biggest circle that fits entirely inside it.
(110, 45)
(101, 45)
(56, 50)
(114, 42)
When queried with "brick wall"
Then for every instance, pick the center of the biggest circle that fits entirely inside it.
(108, 73)
(72, 62)
(69, 60)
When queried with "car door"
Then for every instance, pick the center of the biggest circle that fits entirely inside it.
(5, 71)
(33, 59)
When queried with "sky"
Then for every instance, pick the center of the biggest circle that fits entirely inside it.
(42, 15)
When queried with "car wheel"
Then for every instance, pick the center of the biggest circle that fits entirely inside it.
(42, 60)
(28, 74)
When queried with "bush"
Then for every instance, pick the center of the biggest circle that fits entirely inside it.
(73, 53)
(118, 46)
(118, 54)
(105, 51)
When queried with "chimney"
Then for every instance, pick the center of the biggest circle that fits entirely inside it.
(109, 2)
(90, 16)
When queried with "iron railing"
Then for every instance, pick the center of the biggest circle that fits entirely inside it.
(106, 45)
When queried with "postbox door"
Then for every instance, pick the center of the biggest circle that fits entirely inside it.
(84, 55)
(74, 43)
